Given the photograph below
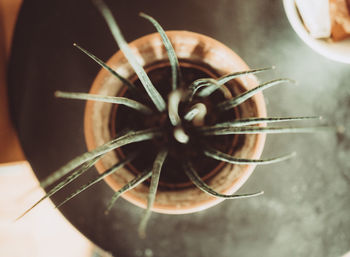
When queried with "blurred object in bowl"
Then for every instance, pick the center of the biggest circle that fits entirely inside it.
(335, 50)
(316, 17)
(340, 19)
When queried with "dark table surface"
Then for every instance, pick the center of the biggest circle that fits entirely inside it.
(305, 210)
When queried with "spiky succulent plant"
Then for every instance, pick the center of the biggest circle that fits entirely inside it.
(181, 125)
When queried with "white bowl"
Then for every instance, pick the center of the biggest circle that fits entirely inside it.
(337, 51)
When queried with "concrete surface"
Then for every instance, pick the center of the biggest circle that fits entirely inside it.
(305, 210)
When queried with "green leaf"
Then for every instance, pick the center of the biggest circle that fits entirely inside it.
(128, 138)
(157, 166)
(220, 156)
(128, 83)
(124, 47)
(132, 184)
(173, 107)
(191, 114)
(99, 178)
(228, 104)
(221, 81)
(196, 114)
(87, 165)
(195, 178)
(212, 85)
(180, 135)
(199, 83)
(253, 121)
(107, 99)
(212, 130)
(174, 62)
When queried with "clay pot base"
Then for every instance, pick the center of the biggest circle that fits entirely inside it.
(215, 60)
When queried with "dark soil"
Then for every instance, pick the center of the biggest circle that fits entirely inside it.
(173, 176)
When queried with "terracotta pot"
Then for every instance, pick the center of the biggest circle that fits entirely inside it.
(205, 52)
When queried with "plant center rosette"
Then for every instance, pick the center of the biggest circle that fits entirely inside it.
(199, 57)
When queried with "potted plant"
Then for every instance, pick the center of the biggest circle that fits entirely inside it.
(175, 111)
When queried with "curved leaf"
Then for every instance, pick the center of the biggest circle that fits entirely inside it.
(220, 156)
(212, 130)
(195, 178)
(157, 166)
(174, 62)
(105, 66)
(124, 47)
(228, 104)
(173, 107)
(98, 179)
(221, 81)
(191, 114)
(128, 138)
(87, 165)
(199, 83)
(254, 121)
(107, 99)
(132, 184)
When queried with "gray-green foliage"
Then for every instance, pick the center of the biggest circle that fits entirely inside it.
(124, 47)
(157, 167)
(212, 87)
(220, 156)
(196, 179)
(132, 184)
(107, 99)
(229, 104)
(200, 90)
(174, 62)
(126, 82)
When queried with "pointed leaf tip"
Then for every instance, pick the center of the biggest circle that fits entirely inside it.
(221, 156)
(174, 62)
(157, 166)
(195, 178)
(152, 92)
(229, 104)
